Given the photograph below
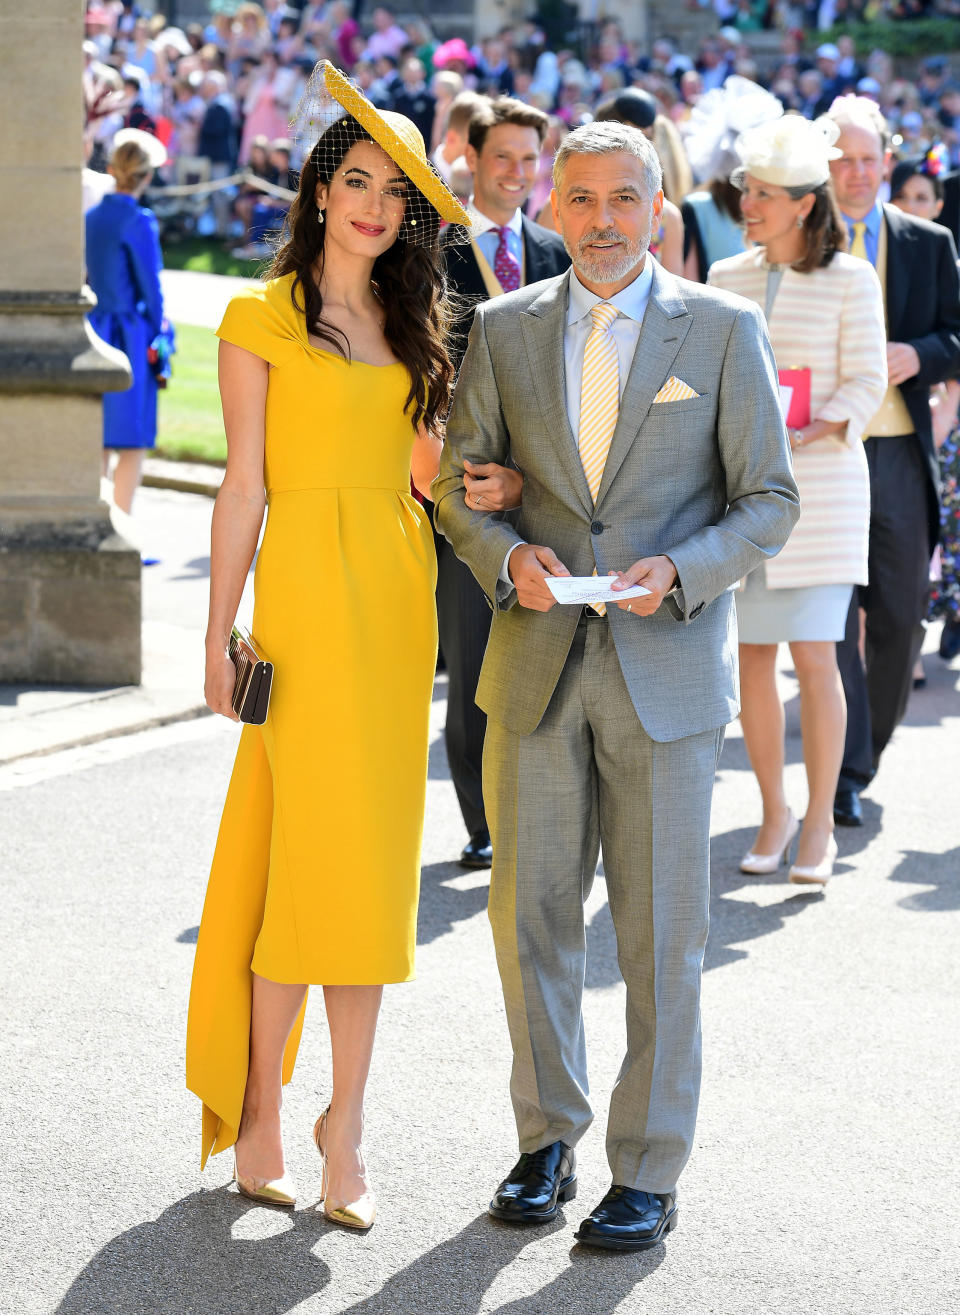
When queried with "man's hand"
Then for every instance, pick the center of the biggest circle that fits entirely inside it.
(658, 574)
(528, 567)
(902, 362)
(491, 487)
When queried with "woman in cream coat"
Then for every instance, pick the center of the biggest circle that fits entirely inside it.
(824, 310)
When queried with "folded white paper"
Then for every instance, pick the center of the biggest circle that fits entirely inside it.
(585, 589)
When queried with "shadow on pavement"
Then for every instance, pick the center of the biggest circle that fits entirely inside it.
(459, 1273)
(188, 1261)
(442, 906)
(596, 1282)
(941, 872)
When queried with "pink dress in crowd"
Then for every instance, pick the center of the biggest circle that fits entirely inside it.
(265, 117)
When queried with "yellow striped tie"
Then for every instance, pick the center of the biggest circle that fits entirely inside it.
(858, 246)
(599, 399)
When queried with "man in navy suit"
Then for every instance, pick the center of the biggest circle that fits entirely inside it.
(916, 262)
(507, 251)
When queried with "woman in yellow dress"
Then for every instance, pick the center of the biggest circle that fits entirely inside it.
(334, 378)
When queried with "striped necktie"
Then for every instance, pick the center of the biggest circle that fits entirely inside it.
(858, 246)
(599, 399)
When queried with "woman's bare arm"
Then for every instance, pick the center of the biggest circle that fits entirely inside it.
(237, 512)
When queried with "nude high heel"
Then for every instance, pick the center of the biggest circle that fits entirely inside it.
(358, 1214)
(820, 873)
(762, 865)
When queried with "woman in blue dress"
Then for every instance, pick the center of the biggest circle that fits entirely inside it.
(123, 269)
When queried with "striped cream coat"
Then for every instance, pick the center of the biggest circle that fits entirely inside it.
(830, 320)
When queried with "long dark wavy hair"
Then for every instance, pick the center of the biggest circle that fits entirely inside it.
(824, 231)
(409, 279)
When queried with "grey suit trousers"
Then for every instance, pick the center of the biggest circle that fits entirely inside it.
(589, 777)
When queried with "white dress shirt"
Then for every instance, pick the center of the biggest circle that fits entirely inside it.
(631, 302)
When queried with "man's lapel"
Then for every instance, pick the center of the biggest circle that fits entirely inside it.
(533, 252)
(543, 324)
(901, 247)
(665, 325)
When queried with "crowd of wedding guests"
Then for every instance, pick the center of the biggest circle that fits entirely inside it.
(879, 470)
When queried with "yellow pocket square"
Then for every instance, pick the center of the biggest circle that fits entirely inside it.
(675, 390)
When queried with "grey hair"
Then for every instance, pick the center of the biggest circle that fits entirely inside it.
(860, 112)
(608, 139)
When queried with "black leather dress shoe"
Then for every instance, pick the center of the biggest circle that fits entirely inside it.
(479, 852)
(536, 1183)
(628, 1219)
(846, 808)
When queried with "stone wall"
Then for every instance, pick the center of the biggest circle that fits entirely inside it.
(69, 584)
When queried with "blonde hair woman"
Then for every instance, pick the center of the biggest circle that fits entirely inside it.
(825, 315)
(123, 269)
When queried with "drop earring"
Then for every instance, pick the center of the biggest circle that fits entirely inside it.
(319, 215)
(799, 221)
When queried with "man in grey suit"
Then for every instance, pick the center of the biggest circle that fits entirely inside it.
(643, 412)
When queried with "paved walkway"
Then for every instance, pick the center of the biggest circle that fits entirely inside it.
(822, 1181)
(192, 298)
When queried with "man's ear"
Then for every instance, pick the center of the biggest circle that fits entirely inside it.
(555, 209)
(470, 155)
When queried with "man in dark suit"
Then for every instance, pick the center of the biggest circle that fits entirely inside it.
(916, 262)
(507, 251)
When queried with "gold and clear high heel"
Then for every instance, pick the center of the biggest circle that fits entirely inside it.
(267, 1191)
(351, 1214)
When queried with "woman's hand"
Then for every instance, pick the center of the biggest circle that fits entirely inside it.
(218, 683)
(491, 487)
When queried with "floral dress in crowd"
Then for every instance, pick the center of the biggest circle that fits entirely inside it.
(945, 592)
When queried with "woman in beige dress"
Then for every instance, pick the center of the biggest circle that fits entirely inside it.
(824, 310)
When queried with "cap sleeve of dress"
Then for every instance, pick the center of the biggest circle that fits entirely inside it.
(257, 320)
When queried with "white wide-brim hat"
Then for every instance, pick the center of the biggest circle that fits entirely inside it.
(152, 147)
(788, 152)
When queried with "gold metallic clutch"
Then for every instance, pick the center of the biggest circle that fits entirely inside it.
(251, 692)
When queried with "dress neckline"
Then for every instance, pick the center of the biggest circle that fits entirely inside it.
(325, 351)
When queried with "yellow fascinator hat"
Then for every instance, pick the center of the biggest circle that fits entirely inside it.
(330, 96)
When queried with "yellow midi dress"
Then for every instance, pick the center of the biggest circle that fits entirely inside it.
(315, 877)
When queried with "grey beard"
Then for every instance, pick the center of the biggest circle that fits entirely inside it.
(612, 267)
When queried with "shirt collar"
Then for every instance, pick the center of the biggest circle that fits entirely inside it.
(872, 219)
(481, 224)
(630, 301)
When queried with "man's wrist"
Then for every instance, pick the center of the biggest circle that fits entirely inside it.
(505, 575)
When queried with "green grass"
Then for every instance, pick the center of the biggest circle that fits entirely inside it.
(208, 256)
(190, 426)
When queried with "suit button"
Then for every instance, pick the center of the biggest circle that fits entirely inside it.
(596, 527)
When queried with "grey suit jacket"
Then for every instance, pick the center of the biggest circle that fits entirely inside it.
(707, 481)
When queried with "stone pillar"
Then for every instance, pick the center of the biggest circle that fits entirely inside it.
(69, 584)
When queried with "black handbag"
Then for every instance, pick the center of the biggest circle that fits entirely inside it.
(251, 690)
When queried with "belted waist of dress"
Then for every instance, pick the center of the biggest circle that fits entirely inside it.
(336, 488)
